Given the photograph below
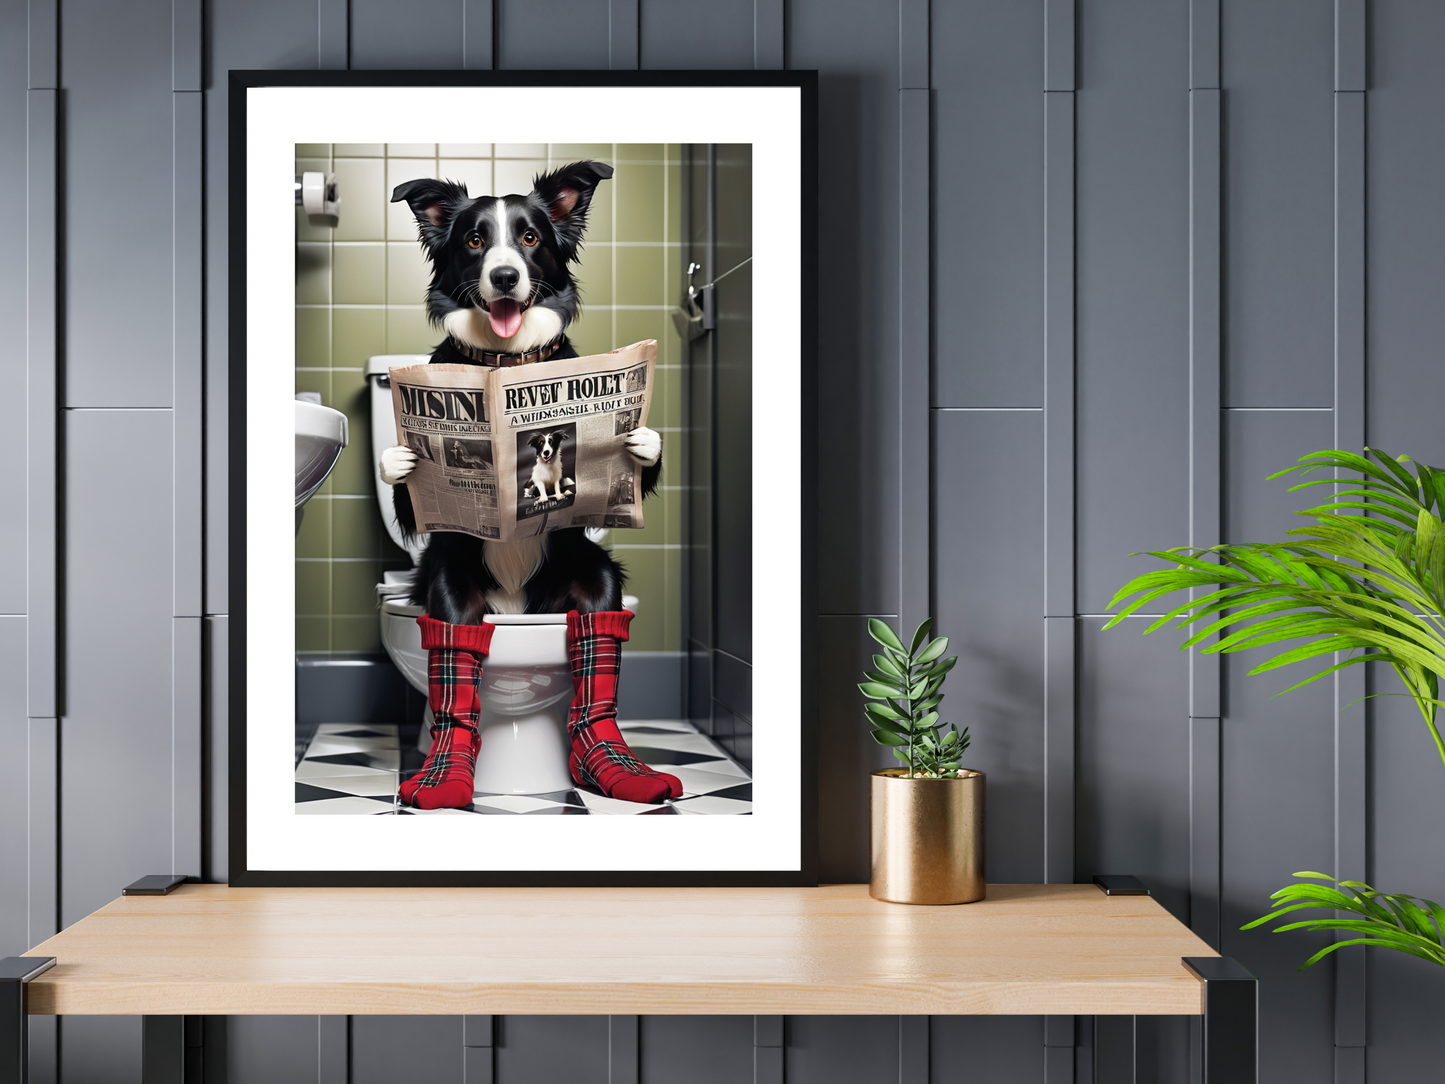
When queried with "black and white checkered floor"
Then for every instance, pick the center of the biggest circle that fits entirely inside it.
(355, 768)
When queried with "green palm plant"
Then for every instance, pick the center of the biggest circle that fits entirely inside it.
(1366, 578)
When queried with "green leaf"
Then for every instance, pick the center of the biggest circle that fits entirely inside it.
(919, 635)
(1427, 484)
(934, 649)
(1407, 482)
(876, 678)
(942, 666)
(876, 691)
(882, 711)
(882, 737)
(1437, 571)
(888, 666)
(884, 635)
(891, 726)
(918, 689)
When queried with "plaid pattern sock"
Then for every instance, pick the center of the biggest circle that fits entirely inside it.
(600, 757)
(454, 665)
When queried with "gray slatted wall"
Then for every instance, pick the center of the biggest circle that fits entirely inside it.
(1173, 245)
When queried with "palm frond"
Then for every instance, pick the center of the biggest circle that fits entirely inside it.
(1365, 578)
(1363, 582)
(1395, 921)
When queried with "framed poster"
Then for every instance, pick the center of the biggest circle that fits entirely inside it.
(541, 609)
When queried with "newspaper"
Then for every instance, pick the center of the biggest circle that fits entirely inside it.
(507, 453)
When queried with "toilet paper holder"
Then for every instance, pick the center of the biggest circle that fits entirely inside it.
(316, 193)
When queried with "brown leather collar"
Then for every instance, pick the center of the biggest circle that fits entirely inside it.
(493, 358)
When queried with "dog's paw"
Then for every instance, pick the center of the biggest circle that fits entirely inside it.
(396, 463)
(645, 445)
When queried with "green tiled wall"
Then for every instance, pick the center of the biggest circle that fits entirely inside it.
(359, 290)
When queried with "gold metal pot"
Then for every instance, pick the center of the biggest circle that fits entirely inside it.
(927, 838)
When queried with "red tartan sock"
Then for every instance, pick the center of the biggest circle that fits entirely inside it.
(454, 665)
(600, 756)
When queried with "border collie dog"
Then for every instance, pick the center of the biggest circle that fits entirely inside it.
(502, 291)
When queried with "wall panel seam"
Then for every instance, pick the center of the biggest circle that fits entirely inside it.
(43, 422)
(333, 35)
(1060, 724)
(186, 52)
(43, 44)
(479, 43)
(913, 44)
(1059, 346)
(42, 397)
(1203, 706)
(1205, 363)
(187, 384)
(913, 1053)
(1351, 757)
(42, 845)
(623, 1053)
(1060, 45)
(769, 48)
(624, 31)
(915, 481)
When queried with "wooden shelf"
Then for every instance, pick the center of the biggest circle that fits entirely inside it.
(209, 949)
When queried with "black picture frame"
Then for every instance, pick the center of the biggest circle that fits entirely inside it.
(805, 427)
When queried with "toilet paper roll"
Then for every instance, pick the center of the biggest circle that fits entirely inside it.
(313, 193)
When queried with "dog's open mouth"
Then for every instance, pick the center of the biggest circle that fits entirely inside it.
(545, 458)
(505, 314)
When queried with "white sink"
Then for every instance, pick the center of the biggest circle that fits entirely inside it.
(320, 438)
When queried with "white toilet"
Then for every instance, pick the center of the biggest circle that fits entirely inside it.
(526, 680)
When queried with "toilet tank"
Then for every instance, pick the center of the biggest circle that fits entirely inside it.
(383, 435)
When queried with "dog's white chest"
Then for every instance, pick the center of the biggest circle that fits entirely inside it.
(512, 564)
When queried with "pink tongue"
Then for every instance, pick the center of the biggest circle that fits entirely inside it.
(506, 317)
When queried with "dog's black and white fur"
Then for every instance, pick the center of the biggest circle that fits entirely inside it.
(500, 282)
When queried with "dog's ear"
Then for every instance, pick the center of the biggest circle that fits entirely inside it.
(559, 436)
(434, 203)
(565, 194)
(536, 440)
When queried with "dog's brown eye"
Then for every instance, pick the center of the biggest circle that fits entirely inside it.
(474, 240)
(529, 238)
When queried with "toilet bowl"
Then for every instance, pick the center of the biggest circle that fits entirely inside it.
(523, 696)
(526, 684)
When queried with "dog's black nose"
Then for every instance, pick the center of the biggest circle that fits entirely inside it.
(505, 278)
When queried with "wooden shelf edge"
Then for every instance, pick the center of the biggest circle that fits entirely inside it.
(1129, 997)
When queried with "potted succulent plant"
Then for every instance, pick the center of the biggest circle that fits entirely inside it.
(927, 815)
(1364, 581)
